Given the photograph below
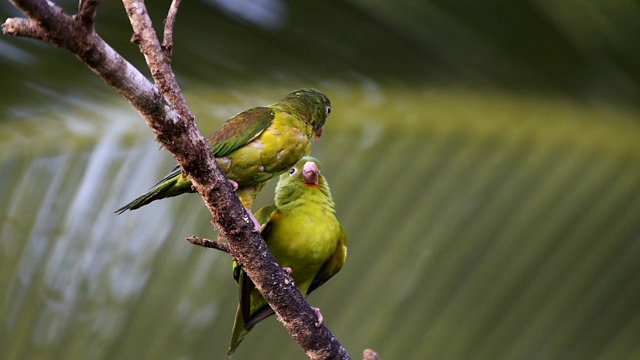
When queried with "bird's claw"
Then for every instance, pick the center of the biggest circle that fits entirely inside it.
(234, 184)
(256, 224)
(287, 270)
(318, 315)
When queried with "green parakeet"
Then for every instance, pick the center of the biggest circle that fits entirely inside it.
(304, 235)
(254, 146)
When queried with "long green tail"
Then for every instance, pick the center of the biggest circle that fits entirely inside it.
(171, 185)
(238, 333)
(241, 327)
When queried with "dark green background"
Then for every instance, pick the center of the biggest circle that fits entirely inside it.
(484, 158)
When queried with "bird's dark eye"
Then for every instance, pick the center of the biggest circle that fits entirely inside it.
(328, 110)
(293, 171)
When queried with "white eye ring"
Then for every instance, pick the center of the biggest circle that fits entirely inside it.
(293, 171)
(328, 110)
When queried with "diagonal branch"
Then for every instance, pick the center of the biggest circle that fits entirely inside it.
(49, 23)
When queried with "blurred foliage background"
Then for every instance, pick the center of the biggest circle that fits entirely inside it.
(484, 158)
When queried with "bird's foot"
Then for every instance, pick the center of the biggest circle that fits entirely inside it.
(256, 224)
(234, 184)
(287, 270)
(318, 315)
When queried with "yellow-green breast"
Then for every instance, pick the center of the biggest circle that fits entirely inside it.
(303, 238)
(276, 149)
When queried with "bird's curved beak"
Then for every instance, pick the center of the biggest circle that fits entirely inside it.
(318, 134)
(310, 173)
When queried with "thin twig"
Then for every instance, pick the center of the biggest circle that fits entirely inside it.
(210, 244)
(48, 16)
(159, 63)
(87, 13)
(169, 23)
(23, 27)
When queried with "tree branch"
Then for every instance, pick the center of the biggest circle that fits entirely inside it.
(47, 22)
(160, 65)
(166, 112)
(169, 23)
(87, 10)
(23, 27)
(210, 244)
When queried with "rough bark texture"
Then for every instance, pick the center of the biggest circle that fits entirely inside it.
(166, 112)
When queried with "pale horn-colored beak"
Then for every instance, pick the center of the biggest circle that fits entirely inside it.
(310, 173)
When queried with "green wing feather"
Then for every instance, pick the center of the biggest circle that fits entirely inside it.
(265, 216)
(331, 266)
(240, 130)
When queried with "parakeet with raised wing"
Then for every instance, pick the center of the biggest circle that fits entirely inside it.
(303, 234)
(254, 146)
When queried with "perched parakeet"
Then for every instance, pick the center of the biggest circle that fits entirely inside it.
(254, 146)
(303, 234)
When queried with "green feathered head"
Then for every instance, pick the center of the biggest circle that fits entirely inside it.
(311, 105)
(303, 178)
